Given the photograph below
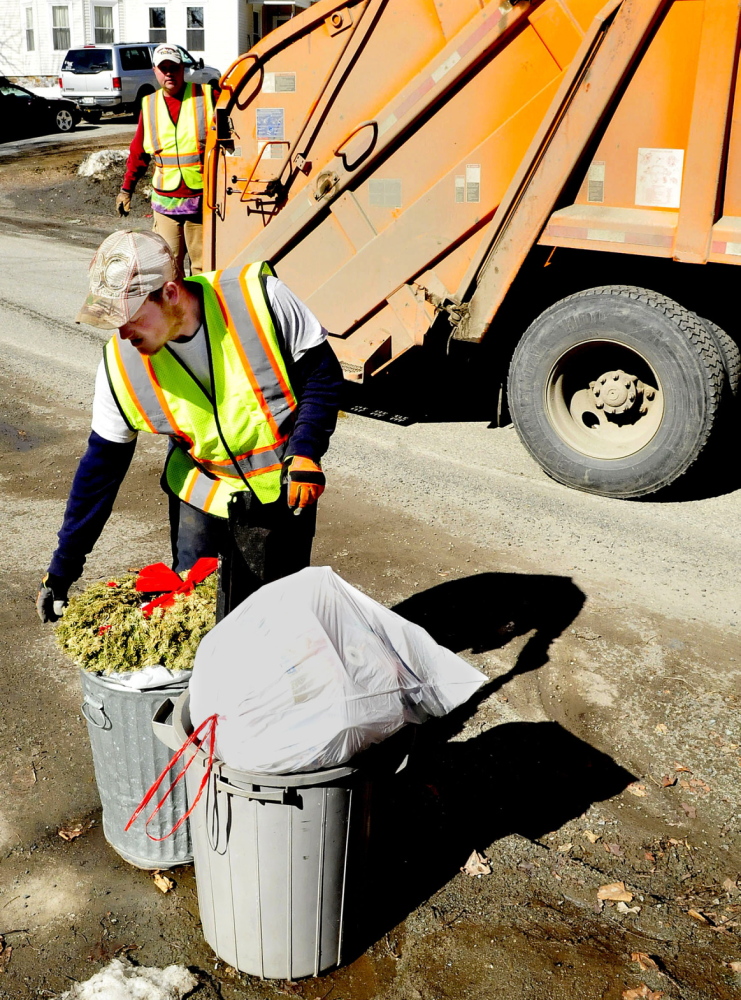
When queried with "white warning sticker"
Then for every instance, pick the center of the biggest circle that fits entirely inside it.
(596, 182)
(460, 189)
(659, 177)
(473, 182)
(274, 151)
(279, 83)
(385, 193)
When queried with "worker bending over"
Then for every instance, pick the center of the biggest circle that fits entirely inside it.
(236, 371)
(172, 132)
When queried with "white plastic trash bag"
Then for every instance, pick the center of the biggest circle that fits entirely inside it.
(308, 671)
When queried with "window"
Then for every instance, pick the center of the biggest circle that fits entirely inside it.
(194, 33)
(30, 41)
(103, 23)
(88, 61)
(8, 90)
(157, 25)
(135, 57)
(60, 28)
(255, 28)
(188, 60)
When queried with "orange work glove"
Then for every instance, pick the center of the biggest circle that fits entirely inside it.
(304, 479)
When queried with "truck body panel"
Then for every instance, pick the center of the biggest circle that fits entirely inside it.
(400, 164)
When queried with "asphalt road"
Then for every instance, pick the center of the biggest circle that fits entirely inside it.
(85, 130)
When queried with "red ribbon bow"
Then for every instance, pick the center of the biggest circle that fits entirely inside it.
(159, 577)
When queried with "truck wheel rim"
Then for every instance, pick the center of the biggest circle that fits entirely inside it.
(604, 400)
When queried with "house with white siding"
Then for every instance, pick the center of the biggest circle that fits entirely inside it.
(35, 34)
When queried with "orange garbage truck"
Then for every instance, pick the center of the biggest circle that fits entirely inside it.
(558, 178)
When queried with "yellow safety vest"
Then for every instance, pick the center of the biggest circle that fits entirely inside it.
(234, 436)
(177, 150)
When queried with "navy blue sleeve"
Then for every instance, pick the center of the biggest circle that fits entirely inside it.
(94, 488)
(317, 382)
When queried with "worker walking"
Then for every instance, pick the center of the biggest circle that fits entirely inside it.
(172, 132)
(238, 373)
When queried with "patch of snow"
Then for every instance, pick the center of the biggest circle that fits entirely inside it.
(121, 981)
(103, 163)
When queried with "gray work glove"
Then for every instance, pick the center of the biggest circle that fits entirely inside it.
(52, 598)
(123, 202)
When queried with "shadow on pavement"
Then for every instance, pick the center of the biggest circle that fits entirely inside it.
(527, 778)
(484, 612)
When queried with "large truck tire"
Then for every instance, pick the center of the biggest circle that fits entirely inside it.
(730, 355)
(615, 390)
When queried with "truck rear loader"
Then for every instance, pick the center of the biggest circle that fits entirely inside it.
(547, 175)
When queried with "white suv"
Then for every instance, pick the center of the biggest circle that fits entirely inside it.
(116, 77)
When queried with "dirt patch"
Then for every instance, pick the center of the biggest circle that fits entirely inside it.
(40, 189)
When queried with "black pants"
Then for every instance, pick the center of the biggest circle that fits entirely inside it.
(259, 543)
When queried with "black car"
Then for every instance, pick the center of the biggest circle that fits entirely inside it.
(23, 113)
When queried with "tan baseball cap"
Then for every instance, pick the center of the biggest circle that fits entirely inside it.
(166, 53)
(127, 267)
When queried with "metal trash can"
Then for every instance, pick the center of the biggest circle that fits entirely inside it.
(275, 857)
(128, 759)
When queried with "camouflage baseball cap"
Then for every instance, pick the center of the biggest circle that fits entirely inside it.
(126, 268)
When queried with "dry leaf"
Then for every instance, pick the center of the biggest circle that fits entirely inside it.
(734, 966)
(642, 992)
(645, 962)
(699, 783)
(690, 810)
(615, 891)
(592, 837)
(681, 767)
(638, 790)
(661, 728)
(615, 849)
(729, 885)
(696, 915)
(564, 848)
(649, 856)
(163, 883)
(72, 832)
(6, 950)
(622, 908)
(668, 781)
(477, 864)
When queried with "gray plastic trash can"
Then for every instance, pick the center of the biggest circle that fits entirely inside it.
(127, 760)
(275, 856)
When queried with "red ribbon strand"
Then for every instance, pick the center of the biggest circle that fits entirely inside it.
(195, 738)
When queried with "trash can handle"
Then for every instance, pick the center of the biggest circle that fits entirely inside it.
(85, 709)
(162, 725)
(283, 796)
